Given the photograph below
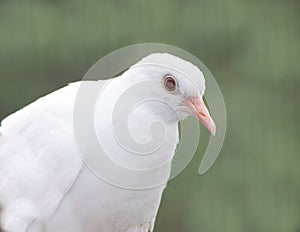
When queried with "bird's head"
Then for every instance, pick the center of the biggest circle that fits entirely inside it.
(177, 83)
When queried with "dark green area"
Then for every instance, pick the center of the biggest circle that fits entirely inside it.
(251, 47)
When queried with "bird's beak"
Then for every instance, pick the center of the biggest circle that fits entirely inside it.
(201, 112)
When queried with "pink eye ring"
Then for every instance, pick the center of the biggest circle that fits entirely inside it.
(170, 83)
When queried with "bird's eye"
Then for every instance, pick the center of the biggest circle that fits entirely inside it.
(170, 82)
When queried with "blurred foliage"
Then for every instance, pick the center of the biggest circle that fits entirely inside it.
(251, 47)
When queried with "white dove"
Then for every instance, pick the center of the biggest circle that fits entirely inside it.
(46, 184)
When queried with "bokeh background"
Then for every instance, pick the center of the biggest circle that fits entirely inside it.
(251, 47)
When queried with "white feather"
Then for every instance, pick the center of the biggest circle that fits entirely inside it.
(44, 185)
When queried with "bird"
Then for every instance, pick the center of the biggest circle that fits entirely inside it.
(46, 185)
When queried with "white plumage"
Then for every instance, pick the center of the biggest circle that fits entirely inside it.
(44, 184)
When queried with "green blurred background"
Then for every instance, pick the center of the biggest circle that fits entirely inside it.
(251, 47)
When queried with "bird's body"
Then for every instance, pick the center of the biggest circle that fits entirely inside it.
(46, 186)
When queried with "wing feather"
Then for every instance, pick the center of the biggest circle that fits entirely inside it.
(38, 159)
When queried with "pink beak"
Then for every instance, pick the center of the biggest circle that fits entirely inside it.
(200, 111)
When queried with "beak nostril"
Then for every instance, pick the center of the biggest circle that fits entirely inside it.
(202, 114)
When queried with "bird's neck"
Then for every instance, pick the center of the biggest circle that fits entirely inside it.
(133, 135)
